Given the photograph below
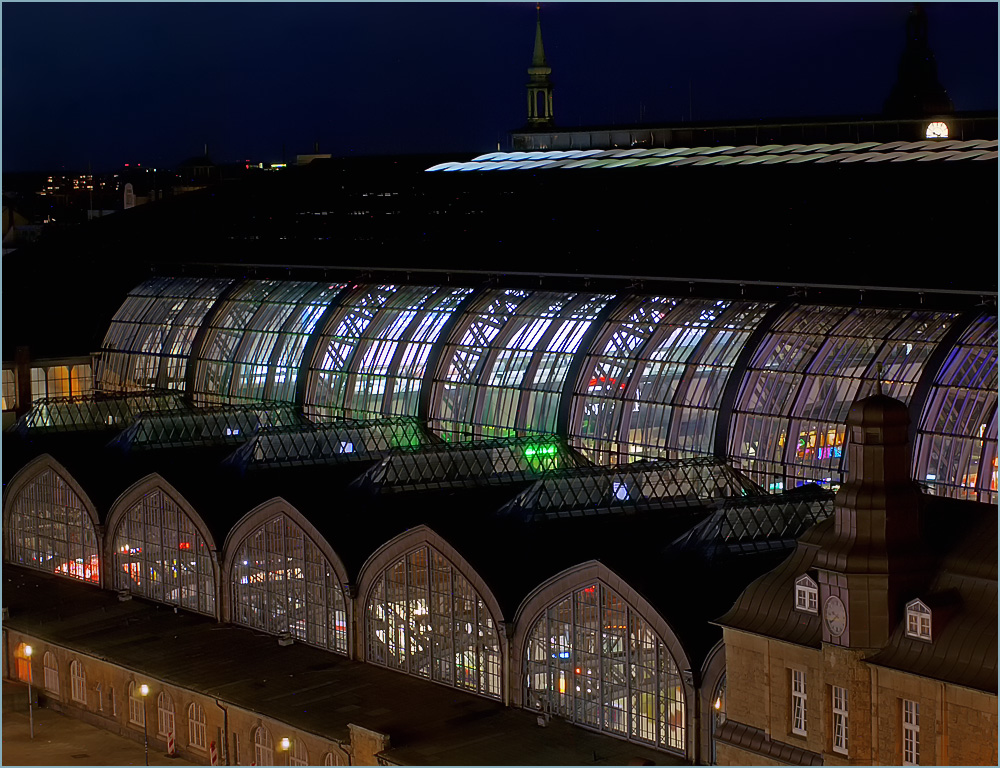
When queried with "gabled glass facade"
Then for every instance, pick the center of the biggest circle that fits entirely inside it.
(592, 659)
(423, 617)
(49, 530)
(159, 554)
(282, 584)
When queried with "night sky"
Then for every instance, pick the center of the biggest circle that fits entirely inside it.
(112, 83)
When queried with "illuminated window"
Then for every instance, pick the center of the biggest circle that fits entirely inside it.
(23, 663)
(9, 390)
(164, 714)
(425, 618)
(51, 673)
(593, 660)
(806, 595)
(840, 733)
(937, 130)
(911, 732)
(798, 702)
(78, 678)
(136, 705)
(52, 531)
(196, 726)
(263, 747)
(159, 554)
(283, 584)
(918, 620)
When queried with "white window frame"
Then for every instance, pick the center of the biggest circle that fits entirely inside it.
(263, 748)
(911, 732)
(165, 715)
(298, 754)
(196, 726)
(78, 676)
(841, 735)
(331, 759)
(136, 708)
(806, 595)
(798, 711)
(918, 620)
(50, 666)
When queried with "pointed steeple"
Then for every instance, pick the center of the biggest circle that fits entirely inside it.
(917, 92)
(539, 83)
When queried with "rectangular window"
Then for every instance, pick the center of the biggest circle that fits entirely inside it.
(798, 702)
(9, 390)
(840, 733)
(911, 732)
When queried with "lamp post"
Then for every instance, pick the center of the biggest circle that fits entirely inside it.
(31, 714)
(144, 691)
(286, 745)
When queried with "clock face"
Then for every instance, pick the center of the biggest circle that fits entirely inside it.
(937, 130)
(835, 615)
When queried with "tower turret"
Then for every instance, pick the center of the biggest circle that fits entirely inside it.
(917, 92)
(539, 82)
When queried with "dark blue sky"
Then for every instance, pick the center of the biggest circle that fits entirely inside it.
(152, 83)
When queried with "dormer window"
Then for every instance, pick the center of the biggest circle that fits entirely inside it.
(806, 595)
(918, 620)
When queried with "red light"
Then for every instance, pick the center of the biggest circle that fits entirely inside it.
(578, 671)
(126, 165)
(184, 545)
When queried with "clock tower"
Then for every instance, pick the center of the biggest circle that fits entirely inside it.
(869, 561)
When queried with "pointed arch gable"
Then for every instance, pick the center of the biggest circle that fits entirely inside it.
(23, 479)
(35, 467)
(259, 515)
(399, 546)
(565, 583)
(208, 600)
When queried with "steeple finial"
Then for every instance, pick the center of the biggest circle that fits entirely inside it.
(540, 84)
(538, 57)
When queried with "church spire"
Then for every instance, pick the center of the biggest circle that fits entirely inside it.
(917, 92)
(539, 83)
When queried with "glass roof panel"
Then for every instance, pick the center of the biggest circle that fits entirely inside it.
(956, 446)
(252, 349)
(149, 340)
(371, 358)
(98, 411)
(642, 486)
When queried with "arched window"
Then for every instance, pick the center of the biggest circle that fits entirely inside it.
(164, 714)
(283, 584)
(593, 660)
(263, 747)
(331, 759)
(50, 530)
(423, 617)
(298, 755)
(196, 726)
(23, 663)
(51, 673)
(78, 678)
(159, 554)
(136, 705)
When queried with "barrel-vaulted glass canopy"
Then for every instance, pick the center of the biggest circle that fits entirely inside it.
(763, 385)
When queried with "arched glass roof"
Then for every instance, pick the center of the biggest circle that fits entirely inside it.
(150, 337)
(372, 355)
(618, 377)
(789, 420)
(254, 343)
(506, 366)
(956, 448)
(651, 386)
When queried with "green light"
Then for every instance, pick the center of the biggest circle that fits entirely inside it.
(545, 450)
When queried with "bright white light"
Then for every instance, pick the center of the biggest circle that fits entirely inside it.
(144, 689)
(27, 651)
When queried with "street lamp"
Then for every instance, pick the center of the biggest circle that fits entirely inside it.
(31, 714)
(286, 744)
(144, 691)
